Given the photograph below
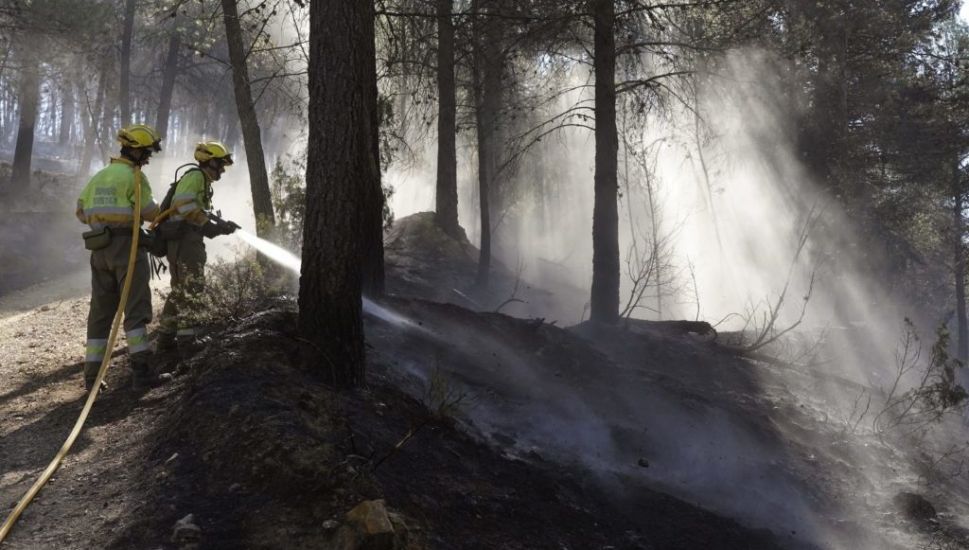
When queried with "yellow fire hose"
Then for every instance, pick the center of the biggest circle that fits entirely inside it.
(161, 217)
(93, 394)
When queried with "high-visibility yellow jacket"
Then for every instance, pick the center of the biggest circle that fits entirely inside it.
(109, 198)
(193, 196)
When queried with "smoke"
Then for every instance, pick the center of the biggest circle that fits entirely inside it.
(718, 197)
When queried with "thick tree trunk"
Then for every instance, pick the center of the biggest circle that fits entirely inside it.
(959, 265)
(124, 84)
(341, 172)
(372, 222)
(605, 217)
(168, 85)
(29, 98)
(447, 160)
(258, 177)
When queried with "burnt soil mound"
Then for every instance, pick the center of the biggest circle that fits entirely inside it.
(263, 455)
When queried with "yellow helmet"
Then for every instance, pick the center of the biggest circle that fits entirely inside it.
(140, 136)
(208, 150)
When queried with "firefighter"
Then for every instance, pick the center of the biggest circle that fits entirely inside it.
(107, 205)
(185, 230)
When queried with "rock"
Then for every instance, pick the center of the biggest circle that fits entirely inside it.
(914, 506)
(407, 535)
(186, 534)
(367, 527)
(330, 525)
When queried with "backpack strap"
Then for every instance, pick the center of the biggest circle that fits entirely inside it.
(170, 196)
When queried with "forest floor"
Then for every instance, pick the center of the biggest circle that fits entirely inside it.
(262, 454)
(478, 430)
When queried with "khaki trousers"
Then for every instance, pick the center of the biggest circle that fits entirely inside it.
(109, 267)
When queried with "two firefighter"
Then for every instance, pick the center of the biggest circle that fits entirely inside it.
(107, 204)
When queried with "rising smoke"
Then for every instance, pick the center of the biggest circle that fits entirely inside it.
(720, 199)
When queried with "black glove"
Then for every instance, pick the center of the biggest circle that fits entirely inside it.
(211, 230)
(229, 227)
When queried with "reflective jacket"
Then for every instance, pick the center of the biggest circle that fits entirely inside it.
(193, 196)
(109, 198)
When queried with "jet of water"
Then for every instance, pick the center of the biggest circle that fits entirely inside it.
(272, 251)
(293, 263)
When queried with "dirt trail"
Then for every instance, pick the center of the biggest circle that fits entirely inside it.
(42, 335)
(41, 398)
(70, 286)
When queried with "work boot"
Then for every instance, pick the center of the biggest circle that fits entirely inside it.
(188, 345)
(165, 342)
(91, 374)
(143, 377)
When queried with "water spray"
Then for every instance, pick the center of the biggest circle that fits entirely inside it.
(293, 263)
(272, 251)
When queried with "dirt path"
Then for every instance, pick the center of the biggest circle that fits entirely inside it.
(41, 395)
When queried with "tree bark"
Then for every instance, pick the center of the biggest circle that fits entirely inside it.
(66, 130)
(486, 115)
(92, 115)
(341, 173)
(486, 80)
(959, 265)
(251, 137)
(124, 85)
(168, 85)
(447, 160)
(605, 217)
(108, 110)
(372, 222)
(29, 98)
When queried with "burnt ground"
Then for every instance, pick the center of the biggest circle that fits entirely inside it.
(547, 448)
(262, 454)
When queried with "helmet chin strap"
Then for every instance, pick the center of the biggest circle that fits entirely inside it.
(139, 159)
(211, 171)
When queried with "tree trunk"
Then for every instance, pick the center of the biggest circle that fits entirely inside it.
(486, 79)
(372, 223)
(67, 114)
(605, 217)
(29, 98)
(484, 190)
(48, 120)
(92, 131)
(168, 85)
(959, 265)
(341, 168)
(447, 160)
(124, 85)
(258, 177)
(108, 110)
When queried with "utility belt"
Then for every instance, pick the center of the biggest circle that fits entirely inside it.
(173, 230)
(98, 239)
